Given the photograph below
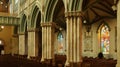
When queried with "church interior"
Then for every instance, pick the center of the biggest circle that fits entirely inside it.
(59, 33)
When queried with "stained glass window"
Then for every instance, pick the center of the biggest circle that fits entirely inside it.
(104, 39)
(60, 47)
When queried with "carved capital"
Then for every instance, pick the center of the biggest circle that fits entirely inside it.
(21, 33)
(48, 24)
(33, 29)
(73, 14)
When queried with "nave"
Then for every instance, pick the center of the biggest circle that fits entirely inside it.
(60, 33)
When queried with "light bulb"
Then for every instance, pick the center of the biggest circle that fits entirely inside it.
(2, 27)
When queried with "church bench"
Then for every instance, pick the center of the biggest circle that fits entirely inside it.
(96, 62)
(13, 61)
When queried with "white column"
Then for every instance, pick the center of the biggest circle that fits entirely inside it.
(32, 45)
(75, 40)
(68, 42)
(118, 35)
(50, 39)
(21, 44)
(45, 41)
(43, 44)
(78, 37)
(50, 43)
(74, 35)
(71, 43)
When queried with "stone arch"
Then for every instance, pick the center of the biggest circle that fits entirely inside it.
(75, 5)
(49, 11)
(69, 6)
(23, 23)
(33, 16)
(23, 32)
(103, 22)
(34, 26)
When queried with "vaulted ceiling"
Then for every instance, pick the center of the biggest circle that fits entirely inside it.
(93, 11)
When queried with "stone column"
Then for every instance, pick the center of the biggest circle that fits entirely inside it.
(47, 41)
(21, 44)
(15, 44)
(32, 42)
(118, 35)
(43, 42)
(74, 39)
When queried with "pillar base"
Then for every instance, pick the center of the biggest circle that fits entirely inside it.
(42, 60)
(48, 61)
(67, 64)
(73, 64)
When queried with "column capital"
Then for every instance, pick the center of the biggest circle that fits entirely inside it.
(33, 29)
(21, 33)
(48, 24)
(74, 14)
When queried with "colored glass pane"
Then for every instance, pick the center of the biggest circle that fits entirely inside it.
(105, 39)
(60, 48)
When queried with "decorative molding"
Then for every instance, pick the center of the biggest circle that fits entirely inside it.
(33, 29)
(73, 14)
(48, 24)
(21, 33)
(88, 50)
(9, 20)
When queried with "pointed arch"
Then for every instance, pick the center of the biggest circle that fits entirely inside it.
(75, 5)
(49, 10)
(33, 16)
(102, 23)
(104, 38)
(51, 5)
(23, 23)
(35, 20)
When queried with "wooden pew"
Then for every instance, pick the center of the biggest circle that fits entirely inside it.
(96, 62)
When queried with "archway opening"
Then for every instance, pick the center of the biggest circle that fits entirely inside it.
(23, 29)
(35, 26)
(26, 40)
(60, 32)
(39, 34)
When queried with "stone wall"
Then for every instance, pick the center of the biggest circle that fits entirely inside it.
(94, 48)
